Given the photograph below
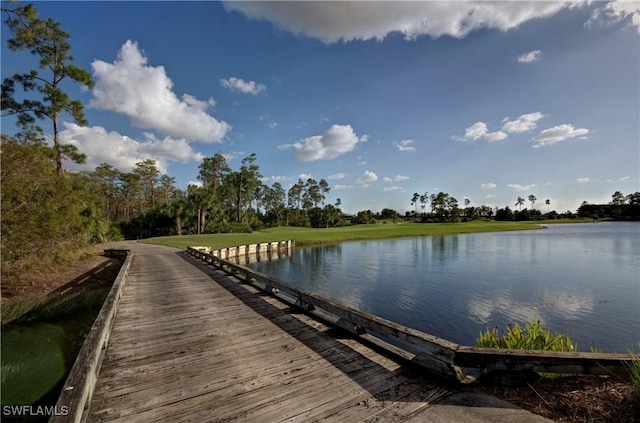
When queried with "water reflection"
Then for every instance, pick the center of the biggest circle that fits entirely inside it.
(33, 361)
(581, 279)
(553, 304)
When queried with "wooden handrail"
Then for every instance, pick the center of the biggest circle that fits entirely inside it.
(431, 352)
(438, 355)
(542, 361)
(80, 384)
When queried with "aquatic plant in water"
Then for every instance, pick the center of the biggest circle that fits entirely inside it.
(530, 337)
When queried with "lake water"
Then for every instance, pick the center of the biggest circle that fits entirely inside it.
(579, 279)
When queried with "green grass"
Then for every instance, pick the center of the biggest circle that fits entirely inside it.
(634, 369)
(308, 236)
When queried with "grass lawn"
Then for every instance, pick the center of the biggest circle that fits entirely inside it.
(307, 236)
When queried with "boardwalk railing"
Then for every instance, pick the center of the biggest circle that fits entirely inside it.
(79, 386)
(437, 355)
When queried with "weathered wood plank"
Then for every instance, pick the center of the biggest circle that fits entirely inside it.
(543, 361)
(433, 353)
(237, 354)
(440, 356)
(80, 384)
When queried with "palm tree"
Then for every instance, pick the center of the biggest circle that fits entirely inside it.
(414, 201)
(533, 199)
(520, 202)
(423, 201)
(548, 203)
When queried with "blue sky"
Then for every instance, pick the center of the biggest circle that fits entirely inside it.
(484, 100)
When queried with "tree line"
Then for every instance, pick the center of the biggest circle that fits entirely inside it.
(48, 212)
(445, 208)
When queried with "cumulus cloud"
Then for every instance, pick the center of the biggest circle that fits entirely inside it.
(366, 178)
(392, 188)
(242, 86)
(617, 11)
(529, 57)
(347, 21)
(519, 187)
(337, 140)
(488, 185)
(144, 94)
(523, 123)
(557, 134)
(480, 131)
(583, 180)
(123, 152)
(339, 187)
(404, 145)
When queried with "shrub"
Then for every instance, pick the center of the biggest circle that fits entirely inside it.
(530, 337)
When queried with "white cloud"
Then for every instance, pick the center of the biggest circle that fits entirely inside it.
(557, 134)
(488, 185)
(366, 178)
(397, 178)
(625, 178)
(529, 57)
(339, 187)
(240, 85)
(144, 94)
(523, 123)
(519, 187)
(198, 104)
(273, 124)
(583, 180)
(404, 145)
(123, 152)
(617, 11)
(338, 176)
(276, 178)
(305, 176)
(478, 131)
(233, 155)
(337, 140)
(346, 21)
(392, 188)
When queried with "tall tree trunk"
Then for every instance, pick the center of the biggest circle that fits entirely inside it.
(56, 145)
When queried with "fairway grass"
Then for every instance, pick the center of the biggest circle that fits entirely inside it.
(309, 236)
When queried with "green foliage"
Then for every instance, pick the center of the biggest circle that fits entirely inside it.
(46, 40)
(634, 369)
(44, 217)
(530, 337)
(621, 207)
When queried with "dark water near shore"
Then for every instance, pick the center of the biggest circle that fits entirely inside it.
(579, 279)
(37, 355)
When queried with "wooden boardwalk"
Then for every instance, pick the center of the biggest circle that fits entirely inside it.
(192, 344)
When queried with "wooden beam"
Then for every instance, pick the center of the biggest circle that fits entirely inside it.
(542, 361)
(438, 355)
(79, 386)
